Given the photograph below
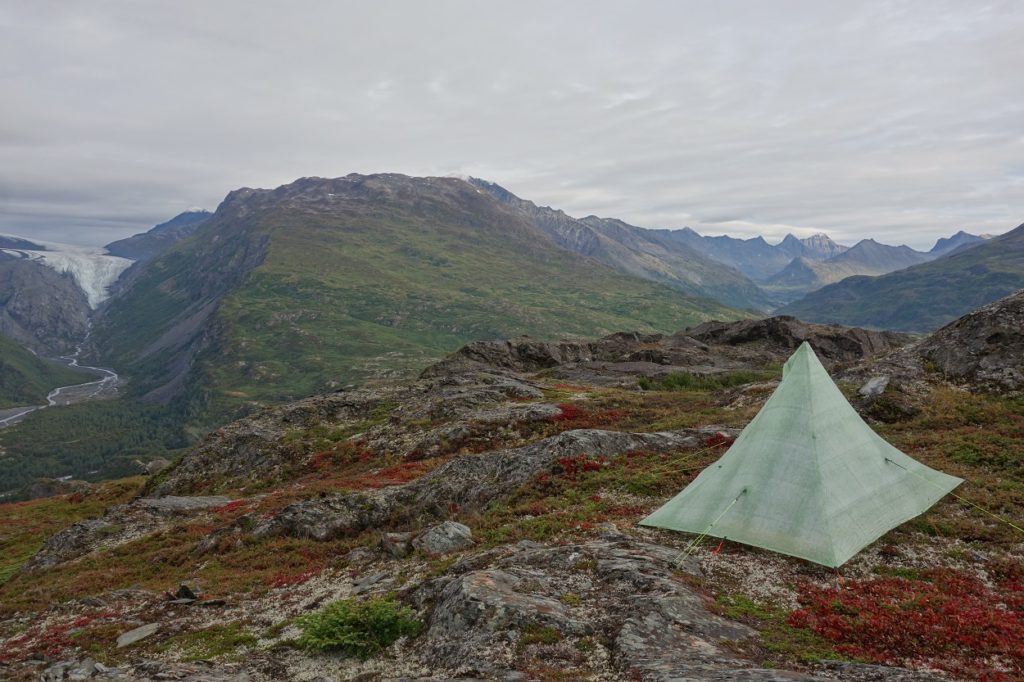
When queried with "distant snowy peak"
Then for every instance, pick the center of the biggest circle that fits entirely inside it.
(195, 209)
(93, 269)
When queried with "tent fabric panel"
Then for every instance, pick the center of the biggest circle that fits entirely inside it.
(817, 482)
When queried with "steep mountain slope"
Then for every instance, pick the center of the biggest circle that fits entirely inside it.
(285, 292)
(925, 296)
(147, 245)
(945, 245)
(636, 251)
(816, 247)
(41, 308)
(93, 269)
(867, 257)
(25, 379)
(869, 254)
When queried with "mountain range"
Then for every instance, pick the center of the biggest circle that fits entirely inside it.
(319, 283)
(924, 296)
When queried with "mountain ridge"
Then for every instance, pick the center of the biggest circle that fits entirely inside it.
(924, 296)
(284, 291)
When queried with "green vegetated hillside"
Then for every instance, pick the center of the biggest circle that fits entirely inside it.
(922, 297)
(91, 440)
(288, 292)
(25, 379)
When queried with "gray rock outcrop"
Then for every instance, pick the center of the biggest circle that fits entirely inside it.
(984, 348)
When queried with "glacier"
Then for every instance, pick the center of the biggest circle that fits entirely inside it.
(93, 269)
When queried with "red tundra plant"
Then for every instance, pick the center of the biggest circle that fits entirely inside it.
(285, 580)
(718, 438)
(231, 506)
(576, 417)
(574, 465)
(946, 620)
(568, 412)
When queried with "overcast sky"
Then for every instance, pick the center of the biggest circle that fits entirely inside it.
(898, 120)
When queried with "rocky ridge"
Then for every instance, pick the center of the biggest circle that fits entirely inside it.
(478, 429)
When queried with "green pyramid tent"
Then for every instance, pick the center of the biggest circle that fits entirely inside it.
(807, 477)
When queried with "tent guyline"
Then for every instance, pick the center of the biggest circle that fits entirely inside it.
(963, 499)
(806, 477)
(685, 554)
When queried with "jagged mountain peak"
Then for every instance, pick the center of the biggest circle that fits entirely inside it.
(945, 245)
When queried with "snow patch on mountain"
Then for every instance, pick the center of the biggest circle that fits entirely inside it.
(93, 268)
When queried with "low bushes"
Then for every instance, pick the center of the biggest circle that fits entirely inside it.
(358, 628)
(946, 619)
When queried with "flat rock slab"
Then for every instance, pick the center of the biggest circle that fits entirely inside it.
(173, 503)
(137, 635)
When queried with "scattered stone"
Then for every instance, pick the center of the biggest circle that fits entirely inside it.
(874, 386)
(82, 671)
(357, 556)
(396, 545)
(363, 584)
(137, 635)
(185, 592)
(212, 602)
(444, 538)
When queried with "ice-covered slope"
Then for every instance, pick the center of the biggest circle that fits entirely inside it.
(92, 267)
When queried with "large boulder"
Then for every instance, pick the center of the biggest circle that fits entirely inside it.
(984, 348)
(444, 538)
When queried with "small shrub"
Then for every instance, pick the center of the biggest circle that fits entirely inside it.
(570, 599)
(586, 645)
(358, 628)
(686, 381)
(539, 634)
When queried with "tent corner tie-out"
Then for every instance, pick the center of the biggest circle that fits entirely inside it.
(685, 554)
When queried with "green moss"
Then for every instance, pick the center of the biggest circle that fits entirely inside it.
(535, 633)
(777, 637)
(898, 572)
(212, 642)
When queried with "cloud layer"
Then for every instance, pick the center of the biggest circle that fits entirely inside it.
(898, 120)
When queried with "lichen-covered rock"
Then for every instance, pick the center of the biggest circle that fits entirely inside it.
(444, 538)
(874, 386)
(137, 634)
(397, 545)
(384, 420)
(984, 348)
(119, 524)
(467, 482)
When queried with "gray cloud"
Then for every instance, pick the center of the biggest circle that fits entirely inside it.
(897, 120)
